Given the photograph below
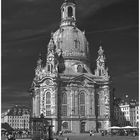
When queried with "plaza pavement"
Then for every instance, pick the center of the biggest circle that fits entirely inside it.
(96, 137)
(87, 137)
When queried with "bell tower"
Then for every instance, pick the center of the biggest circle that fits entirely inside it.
(68, 13)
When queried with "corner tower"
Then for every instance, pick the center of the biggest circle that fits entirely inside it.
(101, 69)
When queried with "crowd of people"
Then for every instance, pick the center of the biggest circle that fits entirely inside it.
(124, 132)
(12, 135)
(117, 132)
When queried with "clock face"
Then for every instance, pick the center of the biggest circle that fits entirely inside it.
(47, 82)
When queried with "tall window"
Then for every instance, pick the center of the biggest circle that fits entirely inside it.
(48, 96)
(65, 125)
(64, 110)
(64, 98)
(48, 111)
(49, 67)
(76, 44)
(82, 104)
(64, 104)
(48, 102)
(100, 73)
(69, 11)
(82, 98)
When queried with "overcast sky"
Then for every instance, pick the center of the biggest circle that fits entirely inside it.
(26, 29)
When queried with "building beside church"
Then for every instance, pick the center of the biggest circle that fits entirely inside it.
(18, 117)
(65, 90)
(126, 112)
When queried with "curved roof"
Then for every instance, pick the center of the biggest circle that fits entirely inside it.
(72, 42)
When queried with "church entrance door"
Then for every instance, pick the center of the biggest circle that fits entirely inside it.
(82, 127)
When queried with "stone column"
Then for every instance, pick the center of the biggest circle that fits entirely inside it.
(37, 106)
(93, 102)
(71, 107)
(76, 102)
(107, 104)
(33, 106)
(73, 103)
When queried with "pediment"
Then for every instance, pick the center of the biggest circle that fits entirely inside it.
(82, 80)
(45, 82)
(48, 81)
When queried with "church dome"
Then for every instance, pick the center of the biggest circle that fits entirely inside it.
(72, 42)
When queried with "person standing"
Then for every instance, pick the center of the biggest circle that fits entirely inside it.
(90, 133)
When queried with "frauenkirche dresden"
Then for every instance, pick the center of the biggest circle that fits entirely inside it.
(65, 90)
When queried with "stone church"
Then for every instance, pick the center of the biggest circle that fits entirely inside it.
(65, 90)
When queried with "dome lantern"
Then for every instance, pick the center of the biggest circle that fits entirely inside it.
(68, 13)
(68, 37)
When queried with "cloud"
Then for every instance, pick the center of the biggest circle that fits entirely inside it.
(26, 34)
(132, 75)
(113, 29)
(14, 94)
(89, 7)
(26, 23)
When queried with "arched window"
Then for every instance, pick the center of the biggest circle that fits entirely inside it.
(100, 73)
(49, 67)
(65, 125)
(64, 104)
(64, 98)
(82, 104)
(82, 98)
(48, 96)
(48, 102)
(76, 43)
(70, 11)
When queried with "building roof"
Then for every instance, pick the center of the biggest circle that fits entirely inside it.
(72, 42)
(19, 110)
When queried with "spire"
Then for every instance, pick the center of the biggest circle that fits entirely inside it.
(51, 62)
(39, 61)
(38, 68)
(101, 56)
(100, 51)
(68, 13)
(51, 45)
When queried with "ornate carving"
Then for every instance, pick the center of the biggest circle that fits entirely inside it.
(101, 70)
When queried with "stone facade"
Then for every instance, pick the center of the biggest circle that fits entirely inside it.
(65, 90)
